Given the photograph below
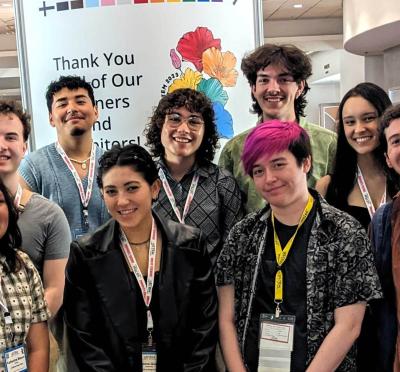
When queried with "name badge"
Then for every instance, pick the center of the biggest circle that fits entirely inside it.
(276, 342)
(149, 358)
(15, 359)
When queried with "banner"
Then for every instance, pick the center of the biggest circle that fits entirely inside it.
(133, 52)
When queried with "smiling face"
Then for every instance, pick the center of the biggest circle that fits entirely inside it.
(128, 196)
(280, 180)
(360, 123)
(275, 91)
(72, 112)
(392, 133)
(182, 134)
(12, 144)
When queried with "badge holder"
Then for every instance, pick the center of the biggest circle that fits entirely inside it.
(149, 352)
(276, 342)
(15, 359)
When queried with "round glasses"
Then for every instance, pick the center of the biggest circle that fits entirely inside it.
(193, 122)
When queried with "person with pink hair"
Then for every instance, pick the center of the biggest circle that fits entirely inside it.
(294, 277)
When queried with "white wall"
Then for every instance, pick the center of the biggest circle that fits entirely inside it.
(320, 93)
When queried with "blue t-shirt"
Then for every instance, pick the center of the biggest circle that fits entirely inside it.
(46, 173)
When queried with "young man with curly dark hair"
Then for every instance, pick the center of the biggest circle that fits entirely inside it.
(278, 75)
(182, 135)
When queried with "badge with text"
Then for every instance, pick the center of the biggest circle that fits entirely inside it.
(276, 342)
(15, 359)
(149, 358)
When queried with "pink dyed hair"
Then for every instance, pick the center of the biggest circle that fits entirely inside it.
(275, 136)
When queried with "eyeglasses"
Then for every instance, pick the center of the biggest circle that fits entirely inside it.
(193, 122)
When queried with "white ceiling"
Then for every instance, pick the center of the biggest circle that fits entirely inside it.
(315, 26)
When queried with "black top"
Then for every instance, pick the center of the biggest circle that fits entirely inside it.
(294, 291)
(141, 310)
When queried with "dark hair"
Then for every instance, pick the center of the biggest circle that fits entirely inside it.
(13, 107)
(193, 101)
(345, 165)
(11, 240)
(295, 61)
(70, 82)
(392, 113)
(133, 156)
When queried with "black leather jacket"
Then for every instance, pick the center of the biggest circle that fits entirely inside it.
(100, 313)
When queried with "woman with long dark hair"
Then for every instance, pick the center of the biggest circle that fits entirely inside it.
(24, 338)
(358, 184)
(139, 292)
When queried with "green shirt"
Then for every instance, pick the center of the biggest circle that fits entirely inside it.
(323, 146)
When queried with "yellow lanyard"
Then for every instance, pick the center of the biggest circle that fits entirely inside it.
(281, 254)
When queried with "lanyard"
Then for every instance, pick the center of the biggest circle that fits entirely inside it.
(281, 254)
(18, 196)
(171, 198)
(365, 193)
(145, 288)
(85, 197)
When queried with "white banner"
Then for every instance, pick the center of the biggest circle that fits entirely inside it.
(133, 52)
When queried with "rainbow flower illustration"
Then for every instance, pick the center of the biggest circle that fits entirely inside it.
(210, 71)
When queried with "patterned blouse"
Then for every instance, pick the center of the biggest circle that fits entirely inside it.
(216, 206)
(340, 271)
(23, 294)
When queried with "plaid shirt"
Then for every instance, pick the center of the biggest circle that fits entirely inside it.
(215, 208)
(24, 297)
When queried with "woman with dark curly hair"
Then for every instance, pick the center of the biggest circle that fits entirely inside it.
(24, 338)
(182, 135)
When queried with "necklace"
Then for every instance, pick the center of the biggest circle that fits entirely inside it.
(81, 162)
(140, 243)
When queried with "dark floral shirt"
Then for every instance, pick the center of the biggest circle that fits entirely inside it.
(215, 208)
(340, 271)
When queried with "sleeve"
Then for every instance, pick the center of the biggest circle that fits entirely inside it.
(79, 316)
(40, 312)
(29, 173)
(231, 203)
(225, 159)
(226, 260)
(356, 276)
(58, 234)
(201, 345)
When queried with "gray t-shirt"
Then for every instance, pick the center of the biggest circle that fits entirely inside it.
(46, 173)
(45, 231)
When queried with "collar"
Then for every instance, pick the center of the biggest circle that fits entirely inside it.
(203, 171)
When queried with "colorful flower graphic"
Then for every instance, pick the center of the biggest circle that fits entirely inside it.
(192, 45)
(214, 70)
(214, 90)
(224, 121)
(221, 66)
(189, 79)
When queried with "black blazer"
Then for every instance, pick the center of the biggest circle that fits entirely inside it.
(99, 303)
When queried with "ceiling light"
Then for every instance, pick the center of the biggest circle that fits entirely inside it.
(297, 6)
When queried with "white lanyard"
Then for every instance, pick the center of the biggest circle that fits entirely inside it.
(365, 193)
(171, 198)
(18, 196)
(85, 198)
(146, 289)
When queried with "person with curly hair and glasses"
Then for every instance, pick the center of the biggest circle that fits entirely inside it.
(182, 135)
(24, 338)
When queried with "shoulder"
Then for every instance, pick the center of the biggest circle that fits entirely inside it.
(42, 153)
(317, 130)
(238, 140)
(323, 184)
(177, 233)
